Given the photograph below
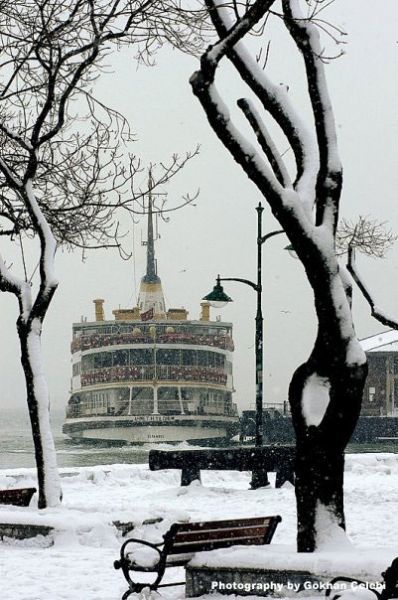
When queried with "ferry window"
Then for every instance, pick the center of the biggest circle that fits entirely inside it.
(220, 360)
(120, 358)
(189, 357)
(168, 357)
(203, 358)
(106, 359)
(168, 393)
(143, 356)
(76, 369)
(97, 361)
(87, 363)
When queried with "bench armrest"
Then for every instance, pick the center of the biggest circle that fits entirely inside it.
(119, 564)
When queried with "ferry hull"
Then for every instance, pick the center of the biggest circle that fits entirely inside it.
(154, 429)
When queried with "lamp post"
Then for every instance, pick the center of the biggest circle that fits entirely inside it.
(219, 298)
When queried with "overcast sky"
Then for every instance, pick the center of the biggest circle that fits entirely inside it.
(218, 235)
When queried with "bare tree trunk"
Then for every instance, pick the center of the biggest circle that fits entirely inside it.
(320, 448)
(326, 391)
(39, 412)
(325, 396)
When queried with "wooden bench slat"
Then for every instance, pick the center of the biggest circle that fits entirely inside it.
(188, 548)
(225, 523)
(214, 534)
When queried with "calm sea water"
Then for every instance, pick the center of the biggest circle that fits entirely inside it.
(16, 447)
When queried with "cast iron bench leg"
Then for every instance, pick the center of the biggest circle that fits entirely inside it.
(284, 474)
(189, 474)
(259, 478)
(390, 577)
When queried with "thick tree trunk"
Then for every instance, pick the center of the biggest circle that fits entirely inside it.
(326, 392)
(39, 413)
(320, 448)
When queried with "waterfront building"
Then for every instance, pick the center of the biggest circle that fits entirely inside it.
(380, 397)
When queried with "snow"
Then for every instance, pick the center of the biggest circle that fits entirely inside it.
(342, 308)
(311, 31)
(330, 536)
(315, 399)
(52, 485)
(10, 281)
(286, 180)
(48, 243)
(79, 564)
(380, 340)
(355, 354)
(364, 563)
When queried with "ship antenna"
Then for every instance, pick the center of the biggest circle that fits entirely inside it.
(151, 275)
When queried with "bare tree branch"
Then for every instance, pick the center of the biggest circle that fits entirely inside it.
(376, 312)
(61, 181)
(368, 236)
(329, 181)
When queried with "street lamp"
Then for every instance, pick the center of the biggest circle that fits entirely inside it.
(219, 298)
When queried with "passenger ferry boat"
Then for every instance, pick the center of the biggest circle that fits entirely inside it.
(151, 375)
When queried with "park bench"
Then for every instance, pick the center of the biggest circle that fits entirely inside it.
(388, 586)
(17, 496)
(260, 460)
(183, 540)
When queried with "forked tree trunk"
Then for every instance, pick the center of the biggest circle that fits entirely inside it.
(39, 413)
(326, 392)
(320, 448)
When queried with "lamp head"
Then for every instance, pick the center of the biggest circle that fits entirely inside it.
(217, 298)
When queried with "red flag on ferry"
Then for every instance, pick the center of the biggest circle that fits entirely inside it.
(148, 315)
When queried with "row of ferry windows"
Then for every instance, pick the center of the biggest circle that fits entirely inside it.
(99, 399)
(171, 400)
(145, 356)
(145, 330)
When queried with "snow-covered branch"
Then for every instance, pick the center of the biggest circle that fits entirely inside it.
(376, 312)
(10, 176)
(48, 280)
(217, 112)
(329, 181)
(266, 142)
(8, 282)
(25, 144)
(218, 115)
(275, 100)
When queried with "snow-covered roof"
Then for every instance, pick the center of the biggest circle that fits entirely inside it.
(381, 342)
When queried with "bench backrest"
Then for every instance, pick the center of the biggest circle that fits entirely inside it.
(234, 459)
(17, 496)
(188, 538)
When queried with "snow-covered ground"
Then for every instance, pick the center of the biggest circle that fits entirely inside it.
(79, 564)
